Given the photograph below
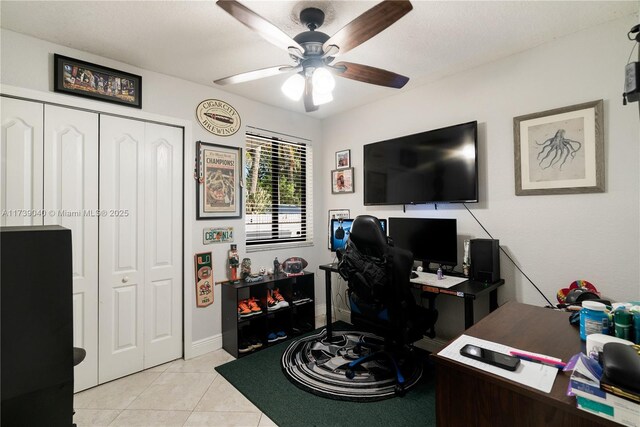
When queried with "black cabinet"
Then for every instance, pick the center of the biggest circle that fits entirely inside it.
(244, 334)
(37, 326)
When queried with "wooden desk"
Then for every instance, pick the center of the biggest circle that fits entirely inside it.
(471, 397)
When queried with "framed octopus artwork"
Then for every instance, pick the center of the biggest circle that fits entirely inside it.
(560, 151)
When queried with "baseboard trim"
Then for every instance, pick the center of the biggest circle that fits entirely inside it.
(321, 314)
(205, 345)
(343, 315)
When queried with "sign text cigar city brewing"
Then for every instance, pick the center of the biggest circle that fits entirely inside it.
(218, 117)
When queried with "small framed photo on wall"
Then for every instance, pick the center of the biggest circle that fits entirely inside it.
(342, 181)
(343, 159)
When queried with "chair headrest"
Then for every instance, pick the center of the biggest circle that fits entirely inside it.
(367, 235)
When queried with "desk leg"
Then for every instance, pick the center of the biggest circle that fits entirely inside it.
(493, 300)
(327, 285)
(468, 313)
(431, 333)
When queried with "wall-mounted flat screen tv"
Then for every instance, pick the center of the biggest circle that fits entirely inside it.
(437, 166)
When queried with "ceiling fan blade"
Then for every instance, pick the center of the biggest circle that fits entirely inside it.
(309, 106)
(367, 74)
(367, 25)
(256, 74)
(264, 28)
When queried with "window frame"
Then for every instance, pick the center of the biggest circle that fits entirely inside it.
(306, 179)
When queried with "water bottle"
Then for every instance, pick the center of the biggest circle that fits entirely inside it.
(439, 273)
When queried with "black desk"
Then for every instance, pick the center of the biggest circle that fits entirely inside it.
(469, 290)
(328, 269)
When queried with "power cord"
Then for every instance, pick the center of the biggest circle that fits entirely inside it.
(508, 256)
(624, 95)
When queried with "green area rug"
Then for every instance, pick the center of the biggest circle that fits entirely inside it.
(259, 377)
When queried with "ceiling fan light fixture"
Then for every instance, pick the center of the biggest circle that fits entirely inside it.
(293, 87)
(320, 98)
(323, 81)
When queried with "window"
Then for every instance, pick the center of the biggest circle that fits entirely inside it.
(278, 184)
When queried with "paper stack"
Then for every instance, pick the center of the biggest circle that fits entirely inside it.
(585, 385)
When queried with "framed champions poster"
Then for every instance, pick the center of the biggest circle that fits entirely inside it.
(218, 191)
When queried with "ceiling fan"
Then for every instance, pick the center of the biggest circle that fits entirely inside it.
(314, 51)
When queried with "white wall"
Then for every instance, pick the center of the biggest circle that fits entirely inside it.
(555, 239)
(28, 63)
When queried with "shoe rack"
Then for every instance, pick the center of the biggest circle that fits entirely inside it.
(293, 320)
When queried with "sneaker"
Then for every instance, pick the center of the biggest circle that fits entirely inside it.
(272, 304)
(255, 343)
(243, 308)
(272, 337)
(253, 305)
(281, 335)
(299, 298)
(275, 301)
(278, 297)
(244, 347)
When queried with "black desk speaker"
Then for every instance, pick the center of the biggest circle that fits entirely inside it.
(485, 260)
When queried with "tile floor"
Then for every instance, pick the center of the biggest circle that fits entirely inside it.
(179, 393)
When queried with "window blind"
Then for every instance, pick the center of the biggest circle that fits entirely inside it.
(279, 191)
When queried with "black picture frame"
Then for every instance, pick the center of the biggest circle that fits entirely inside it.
(218, 197)
(87, 80)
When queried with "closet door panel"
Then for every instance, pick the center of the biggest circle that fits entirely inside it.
(122, 245)
(163, 213)
(71, 200)
(21, 162)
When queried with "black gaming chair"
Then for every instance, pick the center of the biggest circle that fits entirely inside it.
(380, 294)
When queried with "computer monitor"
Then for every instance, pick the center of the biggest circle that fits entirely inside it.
(339, 231)
(432, 240)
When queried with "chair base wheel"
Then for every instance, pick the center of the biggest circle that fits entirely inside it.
(399, 390)
(349, 373)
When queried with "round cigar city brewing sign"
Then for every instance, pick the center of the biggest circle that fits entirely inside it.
(218, 117)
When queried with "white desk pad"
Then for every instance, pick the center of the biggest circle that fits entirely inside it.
(535, 375)
(431, 279)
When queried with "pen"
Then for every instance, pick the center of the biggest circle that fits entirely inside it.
(556, 363)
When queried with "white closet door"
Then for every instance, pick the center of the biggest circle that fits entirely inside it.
(71, 191)
(163, 243)
(122, 244)
(21, 162)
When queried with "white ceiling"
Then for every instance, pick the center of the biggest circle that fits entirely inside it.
(198, 41)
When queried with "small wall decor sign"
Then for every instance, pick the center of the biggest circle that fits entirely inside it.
(88, 80)
(218, 117)
(217, 235)
(204, 279)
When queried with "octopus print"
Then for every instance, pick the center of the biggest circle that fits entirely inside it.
(557, 150)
